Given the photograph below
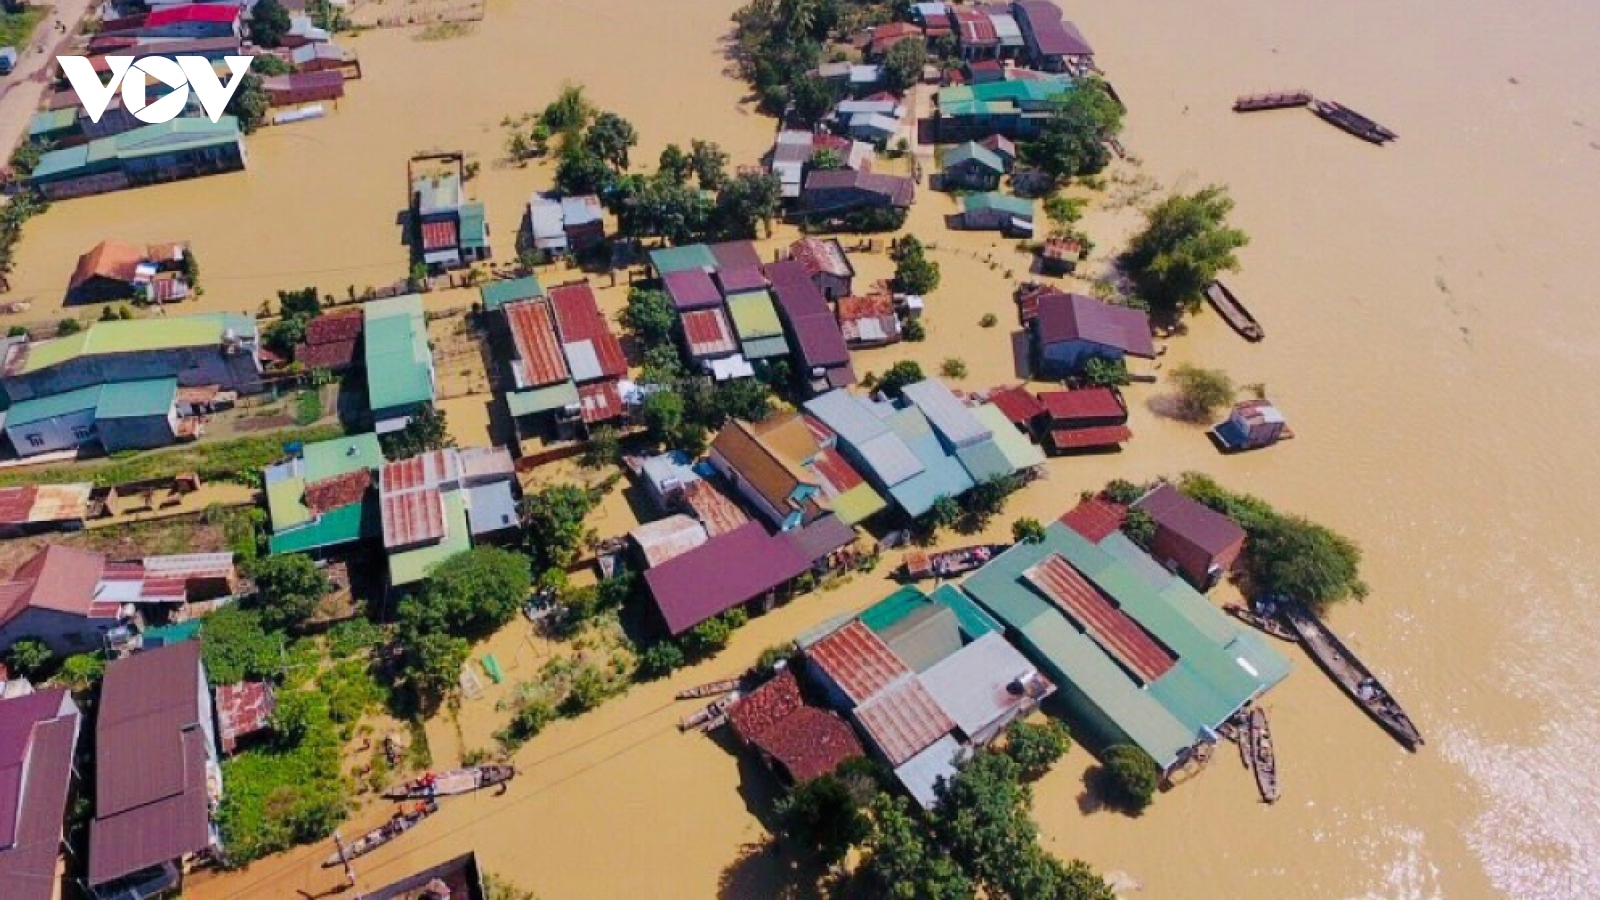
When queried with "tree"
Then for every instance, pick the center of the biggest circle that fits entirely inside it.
(1072, 141)
(1201, 392)
(269, 23)
(237, 648)
(1101, 372)
(660, 660)
(945, 512)
(249, 103)
(1122, 492)
(675, 165)
(570, 112)
(983, 818)
(433, 663)
(812, 99)
(663, 414)
(610, 138)
(1037, 747)
(583, 172)
(552, 519)
(28, 657)
(469, 594)
(1140, 527)
(288, 589)
(1130, 777)
(1186, 242)
(822, 816)
(284, 335)
(954, 367)
(81, 671)
(1027, 531)
(426, 431)
(604, 449)
(649, 315)
(902, 373)
(660, 207)
(1294, 557)
(710, 636)
(747, 200)
(914, 273)
(900, 861)
(68, 326)
(903, 64)
(741, 398)
(1063, 211)
(826, 160)
(265, 64)
(710, 164)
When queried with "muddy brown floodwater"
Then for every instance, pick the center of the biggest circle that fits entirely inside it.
(1431, 312)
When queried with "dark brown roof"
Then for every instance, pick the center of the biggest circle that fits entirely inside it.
(1071, 317)
(340, 490)
(896, 190)
(150, 779)
(1086, 438)
(330, 355)
(1191, 521)
(816, 539)
(691, 289)
(726, 571)
(806, 740)
(36, 738)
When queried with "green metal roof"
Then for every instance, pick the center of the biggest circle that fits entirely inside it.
(286, 504)
(984, 460)
(972, 151)
(135, 399)
(343, 525)
(38, 409)
(185, 133)
(542, 400)
(474, 233)
(1017, 91)
(857, 504)
(51, 121)
(754, 315)
(341, 456)
(1011, 206)
(496, 294)
(411, 566)
(139, 335)
(764, 348)
(399, 364)
(974, 623)
(677, 259)
(1019, 451)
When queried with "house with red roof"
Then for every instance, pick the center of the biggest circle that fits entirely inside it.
(331, 341)
(798, 740)
(38, 734)
(1071, 329)
(828, 265)
(194, 20)
(1094, 418)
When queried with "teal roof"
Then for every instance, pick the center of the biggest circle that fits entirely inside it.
(974, 623)
(677, 259)
(399, 364)
(38, 409)
(1012, 206)
(341, 456)
(942, 475)
(764, 348)
(343, 525)
(474, 232)
(984, 460)
(135, 399)
(1020, 452)
(1219, 665)
(972, 151)
(496, 294)
(185, 133)
(139, 336)
(976, 97)
(50, 121)
(542, 400)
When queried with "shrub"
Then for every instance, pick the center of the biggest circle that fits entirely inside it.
(1140, 527)
(902, 373)
(989, 320)
(1131, 778)
(308, 408)
(1037, 747)
(531, 717)
(28, 657)
(914, 331)
(1027, 530)
(1201, 392)
(1122, 491)
(953, 368)
(660, 660)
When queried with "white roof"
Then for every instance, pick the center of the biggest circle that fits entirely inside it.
(583, 361)
(730, 367)
(848, 415)
(865, 74)
(848, 108)
(954, 421)
(972, 685)
(890, 459)
(581, 210)
(544, 215)
(874, 122)
(922, 772)
(924, 10)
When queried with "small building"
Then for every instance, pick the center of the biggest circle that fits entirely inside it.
(296, 88)
(739, 455)
(497, 294)
(730, 255)
(38, 740)
(1002, 147)
(39, 508)
(868, 321)
(157, 774)
(321, 56)
(882, 37)
(1051, 42)
(841, 191)
(1191, 538)
(450, 232)
(1251, 425)
(666, 260)
(972, 166)
(665, 539)
(118, 270)
(743, 567)
(1094, 418)
(1015, 108)
(1012, 216)
(827, 264)
(756, 321)
(400, 373)
(664, 477)
(797, 740)
(125, 415)
(244, 710)
(546, 227)
(819, 344)
(1061, 255)
(1019, 406)
(185, 147)
(320, 499)
(983, 71)
(8, 60)
(583, 219)
(438, 504)
(192, 20)
(1071, 329)
(976, 33)
(707, 335)
(691, 289)
(331, 341)
(874, 128)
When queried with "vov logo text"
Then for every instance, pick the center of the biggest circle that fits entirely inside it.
(133, 75)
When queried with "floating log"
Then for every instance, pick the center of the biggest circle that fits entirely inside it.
(1350, 674)
(1275, 100)
(1350, 121)
(1233, 312)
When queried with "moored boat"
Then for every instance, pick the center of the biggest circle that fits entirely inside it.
(709, 689)
(455, 781)
(950, 563)
(713, 715)
(1263, 756)
(401, 822)
(1350, 674)
(1263, 622)
(1352, 122)
(1273, 100)
(1233, 312)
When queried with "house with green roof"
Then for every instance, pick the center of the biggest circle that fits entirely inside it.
(124, 415)
(971, 166)
(993, 211)
(400, 374)
(448, 230)
(1137, 660)
(756, 321)
(319, 500)
(182, 148)
(1014, 109)
(496, 294)
(667, 260)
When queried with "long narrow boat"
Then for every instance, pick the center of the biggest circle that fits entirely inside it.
(1352, 122)
(1266, 624)
(1356, 679)
(710, 689)
(455, 781)
(950, 563)
(1274, 100)
(713, 715)
(401, 822)
(1264, 757)
(1234, 313)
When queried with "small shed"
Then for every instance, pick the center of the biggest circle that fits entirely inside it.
(973, 166)
(1251, 425)
(243, 710)
(1013, 216)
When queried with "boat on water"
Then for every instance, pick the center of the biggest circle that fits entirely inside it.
(1233, 312)
(713, 715)
(401, 822)
(1351, 675)
(710, 689)
(1265, 623)
(455, 781)
(1263, 757)
(1352, 122)
(950, 563)
(1272, 100)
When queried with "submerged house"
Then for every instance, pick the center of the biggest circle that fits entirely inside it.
(1085, 419)
(1071, 329)
(972, 166)
(400, 375)
(182, 148)
(318, 500)
(828, 265)
(868, 321)
(118, 270)
(838, 192)
(788, 469)
(459, 878)
(798, 740)
(450, 232)
(1191, 538)
(994, 211)
(1052, 43)
(823, 356)
(1016, 108)
(331, 341)
(38, 740)
(745, 567)
(1252, 424)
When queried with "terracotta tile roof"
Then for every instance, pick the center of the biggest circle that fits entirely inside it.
(766, 706)
(242, 710)
(340, 490)
(108, 259)
(533, 334)
(712, 506)
(1020, 406)
(1085, 403)
(857, 660)
(903, 719)
(708, 333)
(1095, 518)
(807, 741)
(600, 401)
(330, 355)
(335, 327)
(1085, 438)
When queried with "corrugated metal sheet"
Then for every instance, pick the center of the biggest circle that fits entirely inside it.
(533, 335)
(857, 660)
(974, 684)
(412, 517)
(668, 538)
(903, 719)
(890, 459)
(691, 289)
(578, 318)
(1084, 403)
(848, 416)
(600, 402)
(708, 333)
(425, 470)
(954, 421)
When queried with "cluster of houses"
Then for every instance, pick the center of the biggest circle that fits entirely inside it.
(85, 157)
(448, 230)
(846, 184)
(118, 270)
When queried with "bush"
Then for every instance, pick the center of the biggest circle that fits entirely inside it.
(989, 320)
(68, 326)
(902, 373)
(823, 817)
(1140, 527)
(531, 717)
(1037, 747)
(660, 660)
(953, 368)
(357, 636)
(1201, 392)
(288, 589)
(28, 657)
(709, 637)
(308, 407)
(587, 691)
(1122, 491)
(81, 671)
(1131, 778)
(1027, 531)
(237, 648)
(914, 331)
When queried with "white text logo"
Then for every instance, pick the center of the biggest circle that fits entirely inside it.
(179, 73)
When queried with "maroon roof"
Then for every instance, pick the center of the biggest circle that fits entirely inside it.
(807, 741)
(821, 256)
(708, 333)
(720, 574)
(1074, 317)
(886, 36)
(903, 719)
(896, 190)
(1095, 519)
(533, 334)
(243, 709)
(740, 279)
(1051, 35)
(599, 401)
(331, 355)
(1086, 438)
(578, 318)
(37, 734)
(1018, 405)
(766, 706)
(151, 801)
(815, 540)
(1190, 520)
(691, 289)
(16, 504)
(816, 331)
(1085, 403)
(857, 660)
(335, 327)
(1117, 633)
(736, 255)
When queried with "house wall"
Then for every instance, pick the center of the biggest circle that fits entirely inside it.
(984, 218)
(63, 633)
(1197, 567)
(50, 435)
(137, 433)
(193, 366)
(1071, 355)
(833, 286)
(971, 175)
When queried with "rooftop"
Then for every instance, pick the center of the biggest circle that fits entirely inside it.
(807, 741)
(496, 294)
(1071, 317)
(668, 538)
(1194, 522)
(677, 259)
(691, 289)
(857, 660)
(903, 719)
(138, 336)
(399, 363)
(580, 322)
(730, 569)
(38, 736)
(1084, 403)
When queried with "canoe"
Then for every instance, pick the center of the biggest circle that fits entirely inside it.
(1266, 624)
(709, 689)
(401, 822)
(713, 715)
(455, 781)
(1233, 312)
(1275, 100)
(1264, 757)
(949, 563)
(1357, 681)
(1352, 122)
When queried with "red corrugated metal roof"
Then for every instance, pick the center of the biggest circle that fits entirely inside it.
(440, 235)
(533, 333)
(600, 401)
(1095, 519)
(903, 719)
(713, 507)
(194, 12)
(1018, 405)
(975, 28)
(1114, 630)
(1084, 438)
(578, 318)
(243, 709)
(16, 503)
(1085, 403)
(857, 660)
(708, 333)
(425, 470)
(412, 517)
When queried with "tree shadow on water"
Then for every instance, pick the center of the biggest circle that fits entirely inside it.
(769, 870)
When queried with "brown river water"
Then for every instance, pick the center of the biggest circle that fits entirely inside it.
(1432, 314)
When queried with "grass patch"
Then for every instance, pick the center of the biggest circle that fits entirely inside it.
(16, 28)
(444, 31)
(238, 461)
(308, 407)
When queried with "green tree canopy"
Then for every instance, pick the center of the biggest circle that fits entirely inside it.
(1131, 777)
(902, 373)
(1201, 392)
(1036, 746)
(552, 520)
(902, 862)
(903, 63)
(469, 594)
(675, 165)
(28, 657)
(288, 589)
(1073, 140)
(649, 315)
(269, 23)
(236, 647)
(1186, 242)
(710, 164)
(914, 272)
(426, 431)
(610, 138)
(747, 200)
(822, 816)
(1027, 530)
(582, 171)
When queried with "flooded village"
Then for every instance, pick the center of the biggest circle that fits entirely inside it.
(787, 450)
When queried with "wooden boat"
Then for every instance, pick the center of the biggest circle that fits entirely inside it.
(455, 781)
(712, 716)
(1233, 312)
(709, 689)
(1263, 622)
(1350, 121)
(1274, 100)
(1263, 756)
(401, 822)
(1356, 679)
(950, 563)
